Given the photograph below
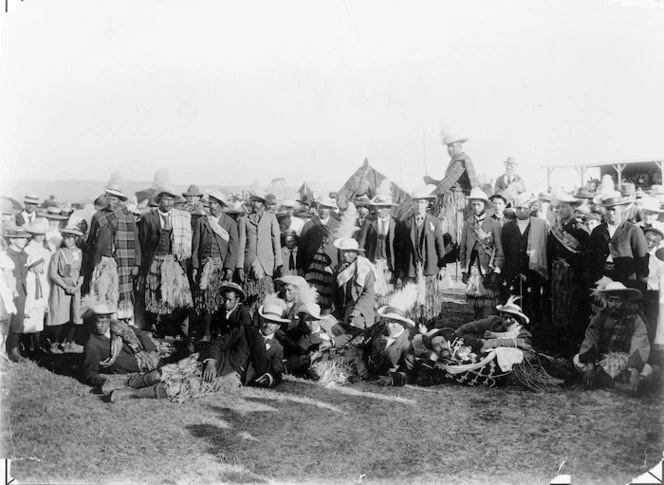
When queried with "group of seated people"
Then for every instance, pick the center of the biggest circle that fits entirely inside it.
(290, 335)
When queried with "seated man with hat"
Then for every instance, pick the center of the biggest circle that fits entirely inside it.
(215, 249)
(615, 350)
(355, 292)
(113, 252)
(234, 314)
(29, 212)
(389, 354)
(115, 348)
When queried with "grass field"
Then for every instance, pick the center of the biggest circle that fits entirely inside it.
(57, 431)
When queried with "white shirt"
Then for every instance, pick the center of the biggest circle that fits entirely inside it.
(393, 338)
(325, 221)
(296, 224)
(164, 216)
(29, 217)
(383, 226)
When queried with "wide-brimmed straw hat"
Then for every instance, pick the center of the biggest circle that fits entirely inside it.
(237, 207)
(524, 199)
(311, 309)
(362, 201)
(510, 161)
(478, 194)
(55, 214)
(38, 226)
(71, 230)
(513, 309)
(347, 244)
(327, 201)
(193, 191)
(230, 286)
(544, 196)
(651, 204)
(454, 138)
(565, 198)
(611, 200)
(382, 201)
(617, 288)
(15, 232)
(395, 313)
(116, 191)
(422, 193)
(653, 230)
(294, 280)
(289, 203)
(273, 313)
(31, 198)
(219, 197)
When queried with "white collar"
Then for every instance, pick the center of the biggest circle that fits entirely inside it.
(398, 334)
(164, 214)
(325, 221)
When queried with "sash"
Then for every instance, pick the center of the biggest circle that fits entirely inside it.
(568, 241)
(482, 237)
(217, 229)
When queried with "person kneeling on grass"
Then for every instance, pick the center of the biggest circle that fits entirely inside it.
(242, 356)
(615, 350)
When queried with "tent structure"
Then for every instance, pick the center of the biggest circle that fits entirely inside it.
(365, 181)
(643, 173)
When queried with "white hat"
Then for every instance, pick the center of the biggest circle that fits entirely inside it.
(453, 138)
(31, 198)
(326, 201)
(478, 194)
(651, 204)
(347, 244)
(273, 313)
(513, 309)
(616, 287)
(382, 201)
(219, 197)
(395, 313)
(102, 309)
(115, 190)
(565, 198)
(422, 193)
(289, 203)
(524, 199)
(166, 189)
(38, 226)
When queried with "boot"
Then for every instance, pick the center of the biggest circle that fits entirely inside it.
(113, 382)
(144, 380)
(55, 348)
(15, 356)
(156, 391)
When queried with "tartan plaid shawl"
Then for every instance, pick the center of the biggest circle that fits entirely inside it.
(459, 165)
(123, 226)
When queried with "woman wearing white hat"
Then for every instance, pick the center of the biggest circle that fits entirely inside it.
(481, 256)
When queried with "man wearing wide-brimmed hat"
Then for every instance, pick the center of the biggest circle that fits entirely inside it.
(424, 251)
(615, 350)
(287, 208)
(362, 203)
(166, 241)
(17, 239)
(526, 268)
(214, 255)
(233, 313)
(481, 256)
(382, 240)
(460, 171)
(355, 286)
(650, 211)
(259, 253)
(510, 181)
(316, 255)
(617, 248)
(30, 203)
(113, 252)
(568, 243)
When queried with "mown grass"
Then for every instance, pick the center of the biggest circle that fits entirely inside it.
(58, 432)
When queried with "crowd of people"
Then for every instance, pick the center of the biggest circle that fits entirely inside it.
(253, 289)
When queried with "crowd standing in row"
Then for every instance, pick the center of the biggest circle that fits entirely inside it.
(253, 292)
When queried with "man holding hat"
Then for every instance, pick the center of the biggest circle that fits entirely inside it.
(424, 251)
(316, 255)
(617, 248)
(526, 268)
(355, 277)
(259, 252)
(215, 248)
(28, 214)
(381, 239)
(568, 243)
(113, 252)
(17, 237)
(510, 181)
(615, 350)
(166, 241)
(481, 256)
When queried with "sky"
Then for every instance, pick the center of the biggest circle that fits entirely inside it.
(233, 92)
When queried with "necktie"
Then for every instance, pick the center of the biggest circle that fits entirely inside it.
(420, 220)
(167, 222)
(291, 260)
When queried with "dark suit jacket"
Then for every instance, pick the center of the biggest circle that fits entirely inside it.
(431, 248)
(204, 236)
(368, 239)
(628, 249)
(263, 360)
(230, 351)
(397, 360)
(501, 183)
(312, 236)
(240, 317)
(19, 219)
(149, 231)
(98, 348)
(495, 257)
